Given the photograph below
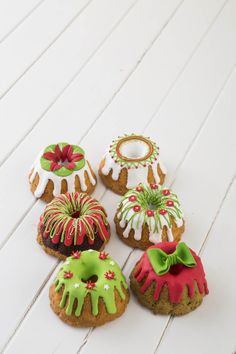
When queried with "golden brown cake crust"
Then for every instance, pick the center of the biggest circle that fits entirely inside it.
(87, 319)
(144, 243)
(163, 304)
(47, 195)
(119, 186)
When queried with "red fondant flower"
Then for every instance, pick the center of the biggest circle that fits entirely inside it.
(90, 285)
(165, 192)
(132, 198)
(68, 274)
(103, 255)
(110, 275)
(136, 208)
(76, 254)
(162, 211)
(170, 203)
(58, 157)
(150, 213)
(153, 185)
(139, 188)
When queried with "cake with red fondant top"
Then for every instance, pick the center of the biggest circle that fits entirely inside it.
(73, 222)
(169, 279)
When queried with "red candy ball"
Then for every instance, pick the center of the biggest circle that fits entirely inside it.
(153, 185)
(169, 203)
(139, 189)
(137, 208)
(165, 192)
(150, 213)
(132, 198)
(162, 211)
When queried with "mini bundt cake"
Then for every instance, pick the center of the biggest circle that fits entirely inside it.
(147, 215)
(89, 290)
(131, 159)
(169, 279)
(73, 222)
(61, 168)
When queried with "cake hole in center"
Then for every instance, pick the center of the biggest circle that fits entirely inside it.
(75, 215)
(134, 149)
(176, 269)
(63, 163)
(92, 278)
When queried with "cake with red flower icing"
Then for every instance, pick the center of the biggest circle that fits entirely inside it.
(61, 168)
(147, 215)
(89, 290)
(169, 279)
(129, 160)
(73, 222)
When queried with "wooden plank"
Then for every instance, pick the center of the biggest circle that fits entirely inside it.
(87, 96)
(92, 85)
(23, 300)
(213, 324)
(13, 13)
(30, 40)
(120, 252)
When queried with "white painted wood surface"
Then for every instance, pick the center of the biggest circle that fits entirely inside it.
(86, 71)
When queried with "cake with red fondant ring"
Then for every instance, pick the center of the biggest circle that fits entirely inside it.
(73, 222)
(61, 168)
(169, 279)
(129, 160)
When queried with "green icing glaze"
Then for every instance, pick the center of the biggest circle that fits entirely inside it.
(161, 261)
(109, 277)
(62, 171)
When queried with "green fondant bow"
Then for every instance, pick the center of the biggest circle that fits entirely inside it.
(161, 261)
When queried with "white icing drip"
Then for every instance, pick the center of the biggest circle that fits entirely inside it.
(109, 165)
(45, 176)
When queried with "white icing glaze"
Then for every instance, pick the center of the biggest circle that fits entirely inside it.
(135, 174)
(45, 176)
(131, 220)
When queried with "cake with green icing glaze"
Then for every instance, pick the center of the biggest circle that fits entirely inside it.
(129, 160)
(89, 289)
(61, 168)
(149, 214)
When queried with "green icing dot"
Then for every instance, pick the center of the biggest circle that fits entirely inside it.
(87, 266)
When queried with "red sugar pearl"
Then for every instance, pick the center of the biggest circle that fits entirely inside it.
(162, 211)
(137, 208)
(170, 203)
(139, 189)
(153, 185)
(165, 192)
(132, 198)
(150, 213)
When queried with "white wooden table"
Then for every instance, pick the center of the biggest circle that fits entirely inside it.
(86, 71)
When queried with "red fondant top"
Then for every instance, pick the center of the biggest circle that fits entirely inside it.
(176, 279)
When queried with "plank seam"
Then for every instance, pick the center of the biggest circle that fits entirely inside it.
(71, 21)
(201, 250)
(20, 22)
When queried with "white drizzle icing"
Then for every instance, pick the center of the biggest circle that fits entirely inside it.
(136, 174)
(45, 176)
(132, 220)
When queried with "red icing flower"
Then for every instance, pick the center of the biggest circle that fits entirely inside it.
(139, 188)
(150, 213)
(165, 192)
(110, 275)
(90, 285)
(68, 274)
(136, 208)
(170, 203)
(103, 255)
(59, 156)
(132, 198)
(162, 211)
(153, 185)
(76, 254)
